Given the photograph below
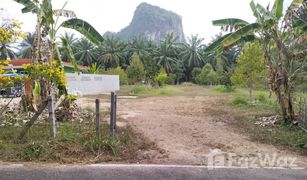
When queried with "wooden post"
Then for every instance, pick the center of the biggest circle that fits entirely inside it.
(52, 116)
(112, 121)
(97, 102)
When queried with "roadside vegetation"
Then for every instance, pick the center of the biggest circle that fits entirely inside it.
(259, 70)
(76, 142)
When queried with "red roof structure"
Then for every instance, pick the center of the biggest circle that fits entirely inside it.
(17, 64)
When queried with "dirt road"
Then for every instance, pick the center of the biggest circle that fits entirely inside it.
(189, 126)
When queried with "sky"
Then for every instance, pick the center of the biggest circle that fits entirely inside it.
(114, 15)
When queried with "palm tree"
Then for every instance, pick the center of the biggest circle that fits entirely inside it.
(8, 51)
(277, 37)
(139, 46)
(84, 51)
(70, 40)
(192, 54)
(112, 52)
(26, 46)
(166, 54)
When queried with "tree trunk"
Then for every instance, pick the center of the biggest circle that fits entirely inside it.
(30, 123)
(250, 86)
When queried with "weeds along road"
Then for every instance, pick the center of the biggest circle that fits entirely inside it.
(145, 172)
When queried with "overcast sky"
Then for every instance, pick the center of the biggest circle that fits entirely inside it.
(113, 15)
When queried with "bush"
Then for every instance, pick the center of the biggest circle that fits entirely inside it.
(135, 70)
(161, 78)
(239, 101)
(195, 75)
(106, 144)
(123, 77)
(262, 98)
(138, 90)
(32, 151)
(205, 76)
(224, 89)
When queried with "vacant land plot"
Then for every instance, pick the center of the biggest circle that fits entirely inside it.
(191, 121)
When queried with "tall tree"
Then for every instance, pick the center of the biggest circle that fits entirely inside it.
(85, 51)
(166, 54)
(112, 52)
(192, 55)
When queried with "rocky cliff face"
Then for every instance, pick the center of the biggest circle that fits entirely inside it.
(152, 22)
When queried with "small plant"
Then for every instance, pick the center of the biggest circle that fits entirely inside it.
(138, 90)
(161, 78)
(32, 151)
(106, 144)
(239, 101)
(71, 97)
(224, 89)
(262, 98)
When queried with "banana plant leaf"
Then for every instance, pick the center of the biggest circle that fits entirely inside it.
(85, 29)
(235, 36)
(278, 8)
(231, 23)
(216, 44)
(29, 6)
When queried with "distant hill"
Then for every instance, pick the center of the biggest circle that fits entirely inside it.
(151, 22)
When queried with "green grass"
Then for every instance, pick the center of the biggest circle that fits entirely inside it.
(282, 136)
(146, 90)
(75, 142)
(224, 89)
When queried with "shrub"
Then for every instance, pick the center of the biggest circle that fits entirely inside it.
(262, 98)
(195, 75)
(161, 78)
(32, 151)
(224, 89)
(106, 144)
(123, 77)
(138, 90)
(239, 101)
(135, 70)
(205, 76)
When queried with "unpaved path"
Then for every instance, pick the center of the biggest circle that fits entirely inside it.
(188, 127)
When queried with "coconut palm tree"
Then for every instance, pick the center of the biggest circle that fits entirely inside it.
(277, 35)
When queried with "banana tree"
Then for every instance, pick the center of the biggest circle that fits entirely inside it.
(48, 25)
(276, 33)
(47, 28)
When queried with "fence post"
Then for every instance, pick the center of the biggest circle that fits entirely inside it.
(112, 116)
(115, 107)
(52, 116)
(97, 102)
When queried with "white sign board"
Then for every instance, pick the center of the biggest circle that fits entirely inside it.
(86, 84)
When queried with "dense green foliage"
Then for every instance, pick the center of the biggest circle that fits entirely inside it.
(251, 68)
(135, 70)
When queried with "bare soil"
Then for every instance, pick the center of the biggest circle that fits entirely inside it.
(188, 126)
